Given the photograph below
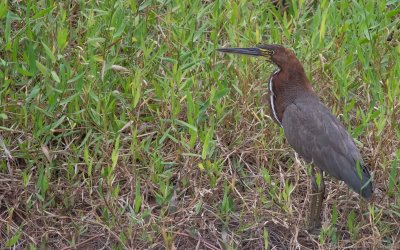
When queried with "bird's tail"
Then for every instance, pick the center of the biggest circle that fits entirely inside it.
(364, 187)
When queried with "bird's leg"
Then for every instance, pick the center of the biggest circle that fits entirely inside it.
(317, 196)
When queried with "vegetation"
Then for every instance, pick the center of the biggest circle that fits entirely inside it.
(122, 127)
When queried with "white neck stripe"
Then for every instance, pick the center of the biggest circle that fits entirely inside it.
(272, 96)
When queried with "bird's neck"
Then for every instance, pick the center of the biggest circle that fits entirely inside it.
(291, 77)
(286, 84)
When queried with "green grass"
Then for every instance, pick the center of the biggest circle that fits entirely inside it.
(121, 126)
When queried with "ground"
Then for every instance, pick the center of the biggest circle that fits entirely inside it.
(121, 127)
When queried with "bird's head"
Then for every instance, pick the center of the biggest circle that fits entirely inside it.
(274, 53)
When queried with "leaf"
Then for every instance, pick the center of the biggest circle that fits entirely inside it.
(367, 34)
(31, 58)
(136, 86)
(11, 242)
(55, 76)
(95, 40)
(43, 69)
(220, 93)
(7, 32)
(132, 4)
(34, 92)
(184, 124)
(48, 52)
(3, 9)
(42, 13)
(266, 238)
(144, 5)
(62, 35)
(69, 99)
(58, 122)
(115, 153)
(392, 177)
(138, 198)
(76, 78)
(207, 141)
(322, 28)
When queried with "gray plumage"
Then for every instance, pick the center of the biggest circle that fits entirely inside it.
(320, 138)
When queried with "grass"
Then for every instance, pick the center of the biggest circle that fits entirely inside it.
(121, 127)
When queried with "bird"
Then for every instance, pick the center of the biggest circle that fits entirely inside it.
(310, 128)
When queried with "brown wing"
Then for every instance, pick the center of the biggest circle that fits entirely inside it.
(319, 137)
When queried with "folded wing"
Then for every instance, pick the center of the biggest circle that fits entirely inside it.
(320, 138)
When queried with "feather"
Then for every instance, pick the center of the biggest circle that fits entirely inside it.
(320, 138)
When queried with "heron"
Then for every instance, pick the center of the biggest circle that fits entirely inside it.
(310, 128)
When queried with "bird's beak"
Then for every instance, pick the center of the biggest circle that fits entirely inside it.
(249, 51)
(242, 51)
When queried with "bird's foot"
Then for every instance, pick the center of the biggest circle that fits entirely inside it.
(313, 226)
